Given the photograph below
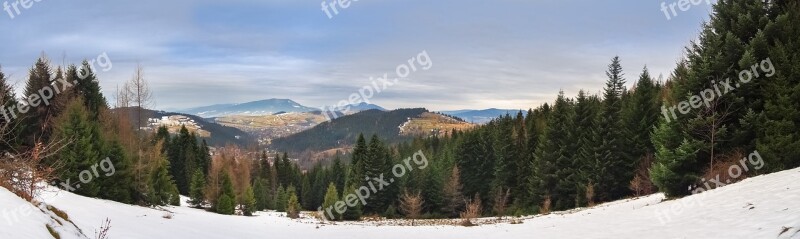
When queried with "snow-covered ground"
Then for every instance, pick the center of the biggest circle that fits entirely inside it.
(761, 207)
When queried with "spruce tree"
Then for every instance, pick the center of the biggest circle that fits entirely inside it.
(778, 141)
(614, 163)
(261, 195)
(34, 119)
(7, 120)
(117, 185)
(82, 152)
(352, 213)
(305, 193)
(249, 202)
(197, 189)
(293, 206)
(587, 111)
(88, 87)
(280, 199)
(331, 197)
(554, 165)
(225, 205)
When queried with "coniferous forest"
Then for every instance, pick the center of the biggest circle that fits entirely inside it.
(640, 135)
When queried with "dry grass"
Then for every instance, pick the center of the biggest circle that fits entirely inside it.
(433, 124)
(721, 169)
(270, 121)
(59, 213)
(546, 204)
(53, 232)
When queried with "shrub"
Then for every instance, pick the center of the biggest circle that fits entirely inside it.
(225, 205)
(546, 204)
(472, 211)
(293, 207)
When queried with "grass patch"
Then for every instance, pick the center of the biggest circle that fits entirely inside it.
(59, 213)
(53, 232)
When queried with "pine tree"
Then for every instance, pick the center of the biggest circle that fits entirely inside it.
(331, 197)
(352, 213)
(226, 206)
(305, 192)
(474, 156)
(34, 120)
(88, 87)
(641, 115)
(554, 164)
(117, 185)
(281, 199)
(162, 190)
(197, 189)
(614, 163)
(84, 149)
(227, 192)
(358, 162)
(587, 111)
(249, 202)
(261, 195)
(293, 206)
(7, 120)
(778, 141)
(339, 173)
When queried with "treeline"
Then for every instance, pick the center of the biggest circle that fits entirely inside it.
(626, 142)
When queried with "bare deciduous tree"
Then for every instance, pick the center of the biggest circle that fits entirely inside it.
(641, 183)
(135, 93)
(501, 202)
(472, 211)
(453, 193)
(411, 205)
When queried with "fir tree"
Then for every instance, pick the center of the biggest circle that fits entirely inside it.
(331, 197)
(197, 189)
(7, 120)
(249, 202)
(261, 195)
(614, 163)
(281, 199)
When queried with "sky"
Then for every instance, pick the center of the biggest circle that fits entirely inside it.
(513, 54)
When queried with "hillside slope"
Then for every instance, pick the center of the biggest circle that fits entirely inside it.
(344, 131)
(21, 219)
(761, 207)
(220, 135)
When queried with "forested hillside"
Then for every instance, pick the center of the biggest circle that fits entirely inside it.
(730, 110)
(343, 131)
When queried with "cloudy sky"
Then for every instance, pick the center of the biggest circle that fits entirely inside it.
(500, 53)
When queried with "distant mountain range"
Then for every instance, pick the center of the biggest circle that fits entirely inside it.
(479, 116)
(265, 107)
